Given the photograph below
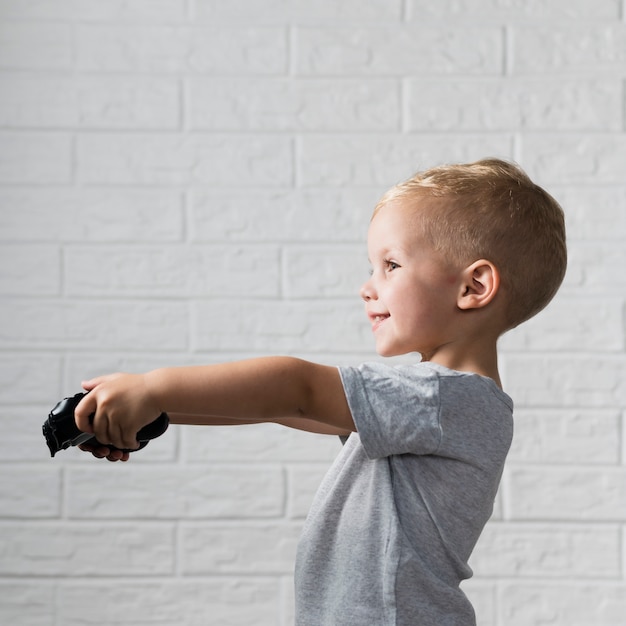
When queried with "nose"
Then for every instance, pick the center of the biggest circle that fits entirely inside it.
(367, 291)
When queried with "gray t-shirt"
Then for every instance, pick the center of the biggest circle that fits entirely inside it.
(392, 526)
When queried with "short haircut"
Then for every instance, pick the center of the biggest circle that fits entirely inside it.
(491, 209)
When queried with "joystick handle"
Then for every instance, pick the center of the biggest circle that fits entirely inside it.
(61, 432)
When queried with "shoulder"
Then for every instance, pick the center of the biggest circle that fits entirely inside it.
(421, 372)
(376, 371)
(395, 408)
(376, 384)
(468, 386)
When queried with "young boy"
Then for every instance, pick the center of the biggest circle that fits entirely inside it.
(459, 255)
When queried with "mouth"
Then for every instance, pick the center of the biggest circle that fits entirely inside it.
(377, 319)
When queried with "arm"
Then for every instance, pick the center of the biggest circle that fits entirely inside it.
(283, 390)
(299, 423)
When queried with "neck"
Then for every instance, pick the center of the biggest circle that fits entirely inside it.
(481, 359)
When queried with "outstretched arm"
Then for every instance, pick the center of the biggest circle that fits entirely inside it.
(298, 423)
(283, 390)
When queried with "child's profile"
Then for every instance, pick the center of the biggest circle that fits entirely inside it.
(458, 254)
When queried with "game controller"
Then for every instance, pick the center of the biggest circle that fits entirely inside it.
(61, 432)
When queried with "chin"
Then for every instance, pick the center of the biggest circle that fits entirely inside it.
(389, 352)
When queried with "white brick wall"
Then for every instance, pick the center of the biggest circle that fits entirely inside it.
(189, 181)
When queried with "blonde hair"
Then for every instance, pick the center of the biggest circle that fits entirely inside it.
(490, 209)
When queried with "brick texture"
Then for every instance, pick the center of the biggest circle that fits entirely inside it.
(190, 181)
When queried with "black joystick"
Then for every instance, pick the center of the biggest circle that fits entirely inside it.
(61, 432)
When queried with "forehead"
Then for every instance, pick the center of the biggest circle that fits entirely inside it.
(397, 221)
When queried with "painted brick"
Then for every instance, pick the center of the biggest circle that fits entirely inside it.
(337, 160)
(573, 323)
(35, 46)
(81, 366)
(288, 602)
(29, 378)
(567, 493)
(261, 442)
(183, 159)
(502, 104)
(255, 491)
(121, 325)
(282, 214)
(236, 601)
(597, 268)
(150, 10)
(483, 599)
(337, 272)
(502, 10)
(31, 101)
(213, 10)
(593, 213)
(172, 271)
(581, 381)
(227, 49)
(535, 550)
(39, 159)
(23, 439)
(576, 159)
(61, 549)
(28, 269)
(393, 50)
(90, 215)
(558, 436)
(566, 603)
(280, 326)
(26, 602)
(294, 104)
(303, 481)
(498, 506)
(238, 549)
(298, 10)
(37, 494)
(590, 47)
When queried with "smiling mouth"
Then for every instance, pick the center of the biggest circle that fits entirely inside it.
(377, 320)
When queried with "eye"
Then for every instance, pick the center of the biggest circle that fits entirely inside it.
(391, 265)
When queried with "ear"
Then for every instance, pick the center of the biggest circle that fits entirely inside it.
(481, 282)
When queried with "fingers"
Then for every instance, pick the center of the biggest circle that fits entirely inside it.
(113, 432)
(115, 455)
(86, 408)
(126, 440)
(104, 452)
(90, 418)
(115, 409)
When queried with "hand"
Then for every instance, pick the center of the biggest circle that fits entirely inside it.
(104, 452)
(121, 405)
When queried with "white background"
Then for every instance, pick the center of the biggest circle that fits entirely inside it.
(190, 181)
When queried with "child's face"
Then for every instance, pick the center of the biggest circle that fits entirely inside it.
(411, 297)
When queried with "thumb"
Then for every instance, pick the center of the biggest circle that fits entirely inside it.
(84, 409)
(89, 385)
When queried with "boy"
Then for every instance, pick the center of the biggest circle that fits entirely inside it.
(459, 255)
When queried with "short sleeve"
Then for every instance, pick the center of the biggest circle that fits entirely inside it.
(396, 410)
